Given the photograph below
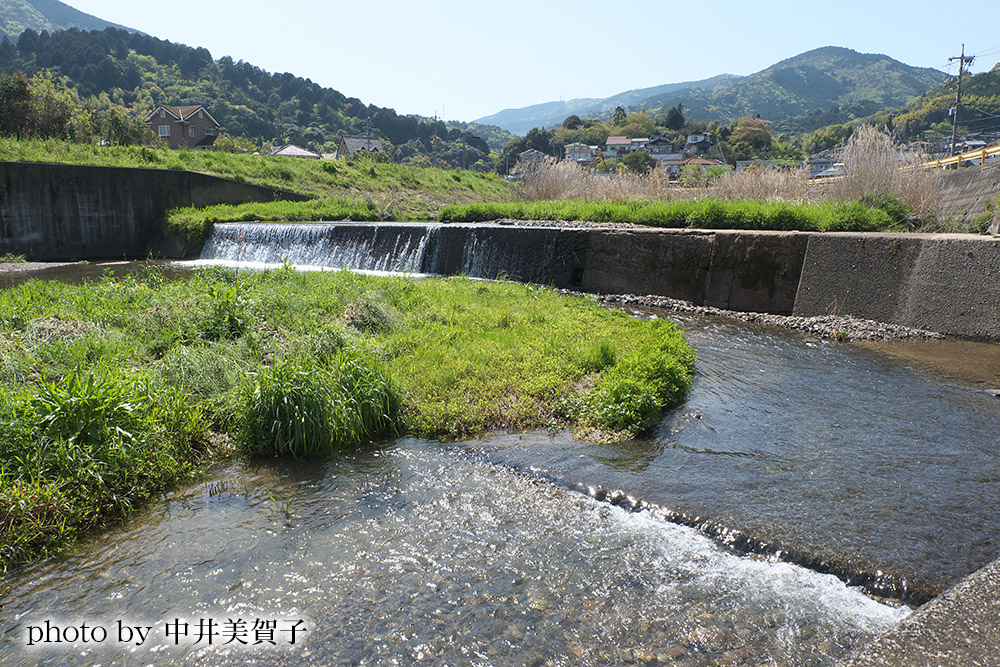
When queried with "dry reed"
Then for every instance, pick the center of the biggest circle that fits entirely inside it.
(873, 165)
(565, 180)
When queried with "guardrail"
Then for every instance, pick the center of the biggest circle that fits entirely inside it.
(981, 154)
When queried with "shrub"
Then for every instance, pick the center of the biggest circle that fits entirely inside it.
(229, 317)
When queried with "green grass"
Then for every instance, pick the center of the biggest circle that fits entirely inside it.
(393, 191)
(700, 213)
(113, 390)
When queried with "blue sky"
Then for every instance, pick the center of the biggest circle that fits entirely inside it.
(467, 59)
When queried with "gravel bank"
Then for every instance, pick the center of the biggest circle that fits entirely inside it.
(838, 327)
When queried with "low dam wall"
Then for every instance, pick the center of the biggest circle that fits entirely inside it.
(58, 212)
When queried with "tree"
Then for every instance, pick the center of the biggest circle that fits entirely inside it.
(749, 138)
(639, 163)
(572, 122)
(619, 116)
(675, 118)
(15, 103)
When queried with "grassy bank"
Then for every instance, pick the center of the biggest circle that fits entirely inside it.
(700, 213)
(395, 191)
(113, 390)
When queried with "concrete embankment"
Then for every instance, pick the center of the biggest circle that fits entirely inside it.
(959, 628)
(936, 282)
(61, 212)
(945, 283)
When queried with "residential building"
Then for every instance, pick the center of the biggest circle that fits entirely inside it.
(294, 151)
(184, 127)
(698, 143)
(581, 153)
(617, 147)
(353, 145)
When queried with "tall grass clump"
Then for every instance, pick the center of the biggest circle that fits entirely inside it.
(299, 408)
(565, 180)
(76, 451)
(788, 185)
(878, 173)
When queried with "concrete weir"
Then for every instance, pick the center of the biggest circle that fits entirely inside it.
(938, 282)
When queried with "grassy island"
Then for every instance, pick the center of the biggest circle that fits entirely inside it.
(112, 390)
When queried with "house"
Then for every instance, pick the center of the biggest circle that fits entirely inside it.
(617, 147)
(351, 146)
(817, 164)
(658, 145)
(698, 143)
(532, 156)
(639, 145)
(293, 151)
(184, 127)
(581, 153)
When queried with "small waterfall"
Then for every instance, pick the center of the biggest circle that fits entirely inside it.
(539, 255)
(397, 248)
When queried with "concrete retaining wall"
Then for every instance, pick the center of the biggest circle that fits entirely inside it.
(965, 192)
(942, 282)
(948, 283)
(59, 212)
(725, 269)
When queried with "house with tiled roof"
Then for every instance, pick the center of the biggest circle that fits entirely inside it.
(184, 127)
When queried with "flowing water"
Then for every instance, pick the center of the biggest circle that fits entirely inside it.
(825, 454)
(684, 548)
(426, 554)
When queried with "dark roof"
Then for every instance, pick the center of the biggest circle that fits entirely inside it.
(182, 113)
(353, 144)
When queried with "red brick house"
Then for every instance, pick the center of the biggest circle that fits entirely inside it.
(184, 127)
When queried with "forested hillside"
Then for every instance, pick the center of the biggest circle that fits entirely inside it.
(138, 72)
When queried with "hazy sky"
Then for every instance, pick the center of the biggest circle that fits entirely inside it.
(467, 59)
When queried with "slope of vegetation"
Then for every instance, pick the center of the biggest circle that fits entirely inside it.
(360, 190)
(700, 213)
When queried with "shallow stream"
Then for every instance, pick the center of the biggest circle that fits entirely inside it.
(540, 549)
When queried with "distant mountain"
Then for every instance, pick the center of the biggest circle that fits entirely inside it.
(834, 82)
(550, 114)
(16, 16)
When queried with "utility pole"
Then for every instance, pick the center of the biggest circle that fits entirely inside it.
(963, 60)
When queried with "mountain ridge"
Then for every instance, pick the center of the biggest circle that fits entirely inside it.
(825, 78)
(16, 16)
